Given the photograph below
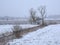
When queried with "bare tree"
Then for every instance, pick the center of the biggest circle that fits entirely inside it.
(42, 10)
(32, 15)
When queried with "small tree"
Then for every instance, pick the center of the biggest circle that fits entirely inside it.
(32, 15)
(42, 10)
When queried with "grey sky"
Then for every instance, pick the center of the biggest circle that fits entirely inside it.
(21, 7)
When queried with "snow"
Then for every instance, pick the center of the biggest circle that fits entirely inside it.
(6, 30)
(24, 26)
(49, 35)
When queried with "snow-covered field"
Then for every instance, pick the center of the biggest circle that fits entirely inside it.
(27, 26)
(49, 35)
(7, 29)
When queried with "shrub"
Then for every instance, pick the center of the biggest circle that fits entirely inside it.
(16, 30)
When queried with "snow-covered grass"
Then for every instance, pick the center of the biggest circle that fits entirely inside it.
(7, 29)
(24, 26)
(49, 35)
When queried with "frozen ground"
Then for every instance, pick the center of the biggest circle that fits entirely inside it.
(49, 35)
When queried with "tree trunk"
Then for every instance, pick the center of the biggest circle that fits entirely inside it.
(42, 20)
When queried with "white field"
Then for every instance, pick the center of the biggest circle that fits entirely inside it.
(49, 35)
(7, 29)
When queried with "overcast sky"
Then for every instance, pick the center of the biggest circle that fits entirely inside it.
(21, 8)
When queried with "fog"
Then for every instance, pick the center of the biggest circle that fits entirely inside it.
(20, 8)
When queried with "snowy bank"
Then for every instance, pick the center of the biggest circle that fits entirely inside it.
(7, 29)
(49, 35)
